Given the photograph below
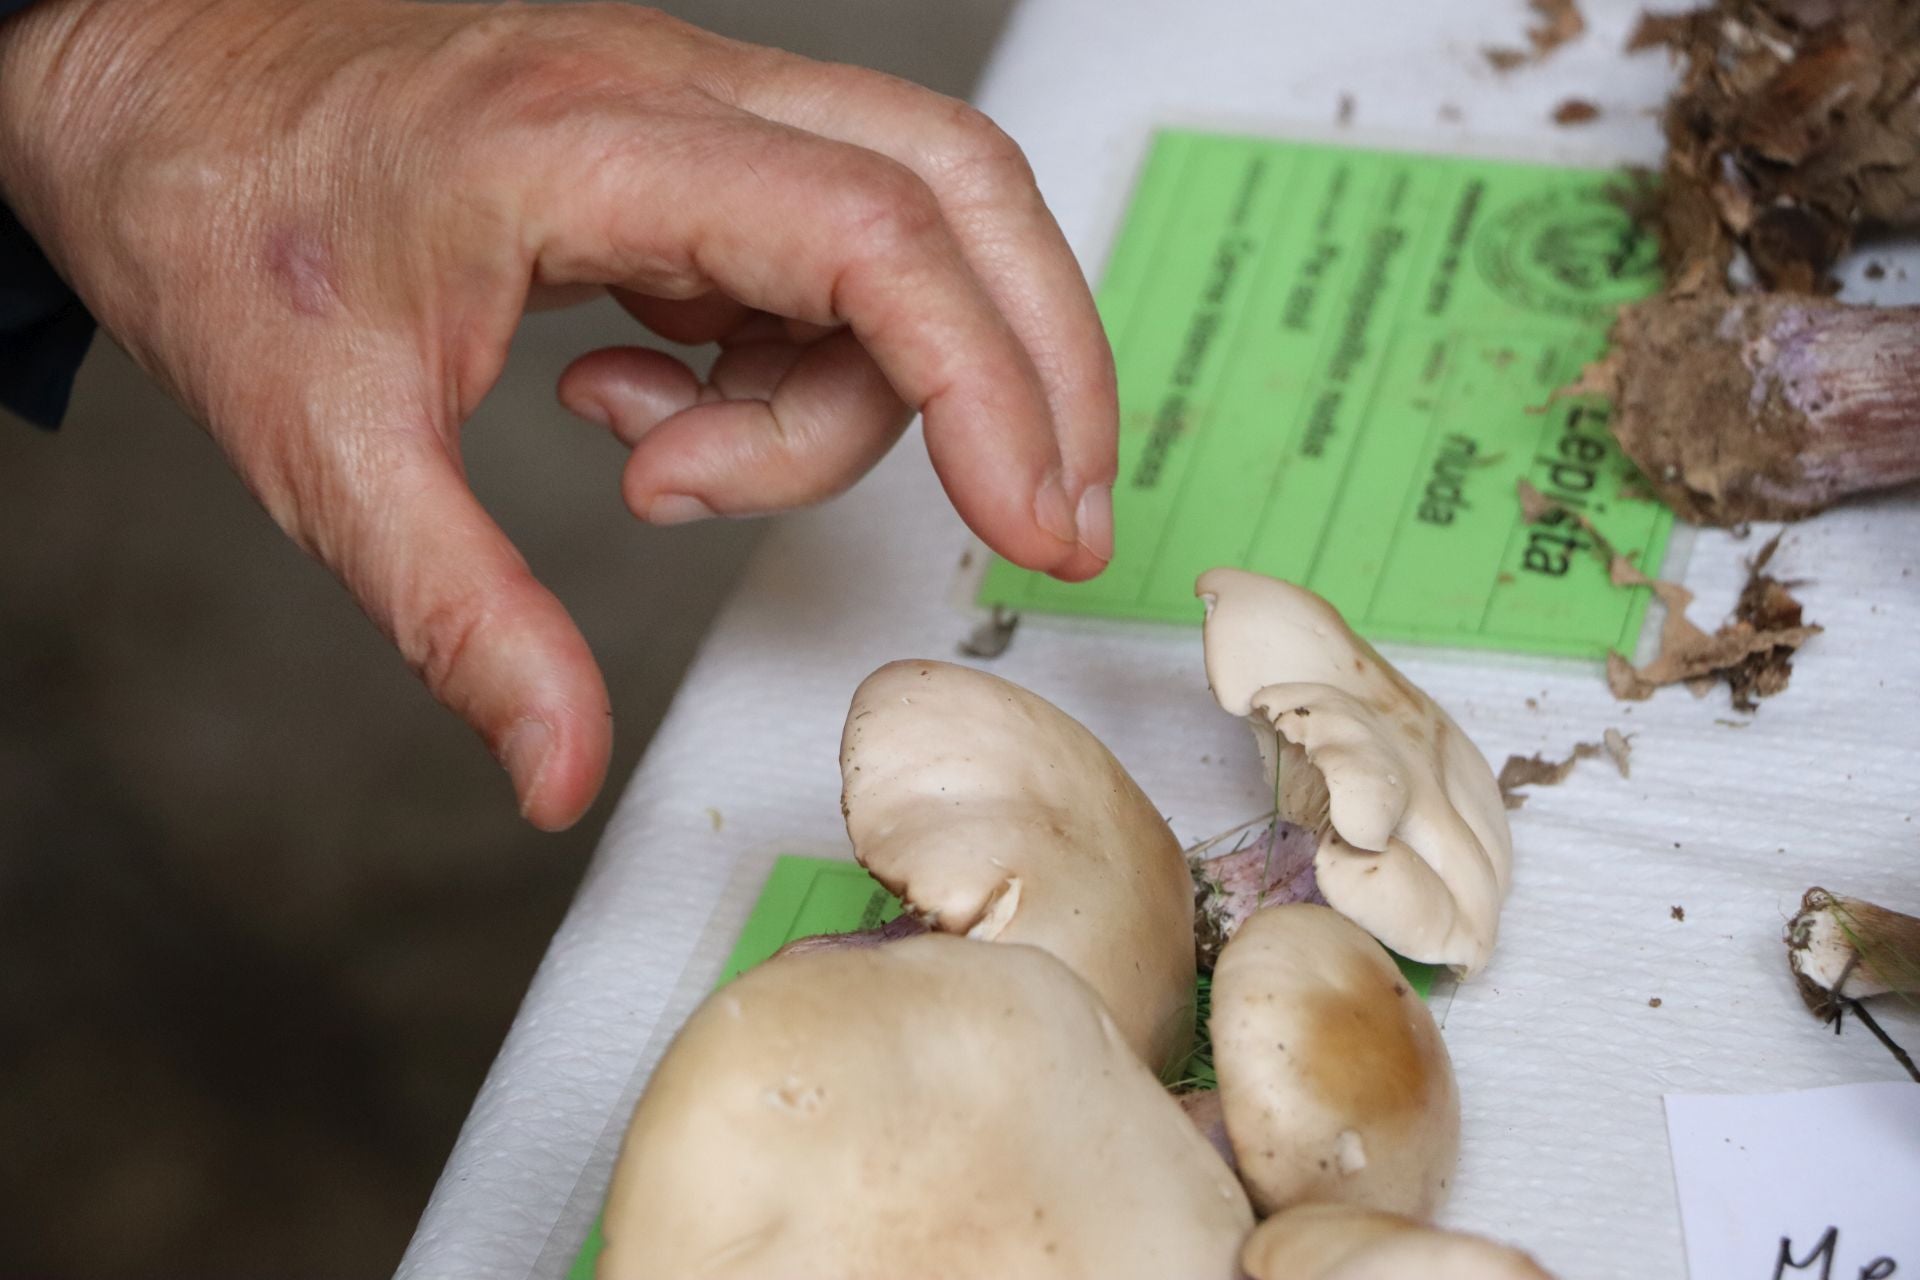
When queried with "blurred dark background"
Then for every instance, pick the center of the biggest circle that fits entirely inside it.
(265, 910)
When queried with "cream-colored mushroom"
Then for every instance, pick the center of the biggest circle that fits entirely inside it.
(935, 1106)
(1333, 1079)
(1413, 838)
(992, 813)
(1341, 1242)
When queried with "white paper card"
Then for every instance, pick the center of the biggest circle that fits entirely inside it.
(1823, 1184)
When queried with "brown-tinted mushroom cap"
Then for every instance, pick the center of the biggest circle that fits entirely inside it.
(1333, 1077)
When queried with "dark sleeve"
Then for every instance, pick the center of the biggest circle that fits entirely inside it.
(44, 329)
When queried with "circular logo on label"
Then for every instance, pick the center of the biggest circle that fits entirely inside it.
(1573, 252)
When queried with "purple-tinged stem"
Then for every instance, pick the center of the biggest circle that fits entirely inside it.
(1272, 869)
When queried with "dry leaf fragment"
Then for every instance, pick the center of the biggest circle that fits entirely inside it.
(1619, 750)
(1752, 653)
(1560, 21)
(1538, 771)
(1660, 30)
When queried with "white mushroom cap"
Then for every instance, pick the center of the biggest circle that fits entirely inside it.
(932, 1107)
(996, 815)
(1414, 844)
(1333, 1077)
(1341, 1242)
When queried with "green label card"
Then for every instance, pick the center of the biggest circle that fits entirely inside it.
(1334, 366)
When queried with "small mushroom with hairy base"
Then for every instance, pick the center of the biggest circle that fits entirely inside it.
(935, 1106)
(1341, 1242)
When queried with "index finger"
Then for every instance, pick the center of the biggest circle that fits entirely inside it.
(817, 230)
(991, 200)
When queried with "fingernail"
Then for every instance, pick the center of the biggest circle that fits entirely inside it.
(524, 752)
(677, 508)
(595, 412)
(1053, 510)
(1096, 521)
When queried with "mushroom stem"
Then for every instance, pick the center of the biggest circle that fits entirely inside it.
(1273, 868)
(1765, 407)
(1844, 949)
(904, 925)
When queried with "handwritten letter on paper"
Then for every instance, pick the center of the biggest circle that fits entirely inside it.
(1821, 1185)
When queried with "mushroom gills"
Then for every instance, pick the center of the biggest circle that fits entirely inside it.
(1411, 832)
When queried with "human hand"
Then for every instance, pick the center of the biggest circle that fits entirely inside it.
(318, 223)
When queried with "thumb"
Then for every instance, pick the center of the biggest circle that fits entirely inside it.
(439, 577)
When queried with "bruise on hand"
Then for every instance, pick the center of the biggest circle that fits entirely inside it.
(1796, 124)
(1752, 653)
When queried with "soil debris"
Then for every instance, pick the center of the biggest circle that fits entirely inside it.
(1575, 111)
(1559, 21)
(1796, 124)
(1679, 913)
